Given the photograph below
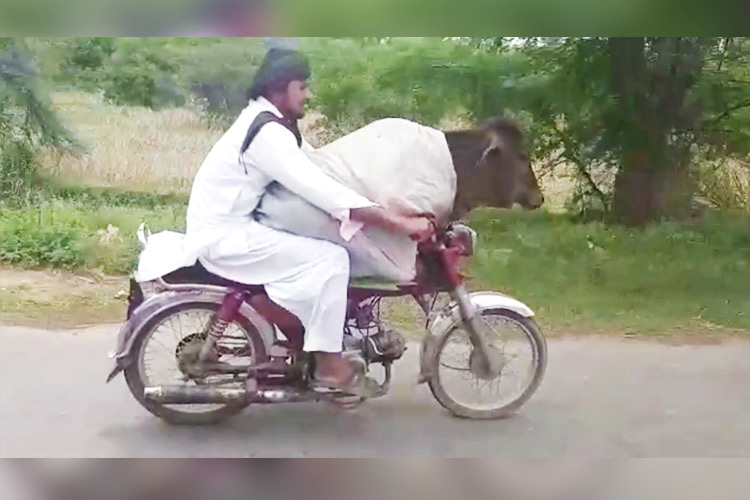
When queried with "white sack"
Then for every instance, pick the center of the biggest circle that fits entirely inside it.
(400, 165)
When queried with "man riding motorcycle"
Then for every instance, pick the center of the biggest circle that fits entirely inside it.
(307, 277)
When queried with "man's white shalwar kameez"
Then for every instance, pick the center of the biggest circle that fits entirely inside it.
(308, 277)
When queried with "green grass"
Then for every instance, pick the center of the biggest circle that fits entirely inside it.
(579, 278)
(592, 277)
(67, 231)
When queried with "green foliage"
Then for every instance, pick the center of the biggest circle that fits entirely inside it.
(17, 170)
(35, 238)
(578, 277)
(139, 74)
(90, 53)
(725, 93)
(420, 79)
(25, 113)
(725, 184)
(591, 277)
(217, 86)
(74, 233)
(127, 71)
(27, 123)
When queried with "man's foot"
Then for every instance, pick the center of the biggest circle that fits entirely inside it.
(334, 368)
(337, 375)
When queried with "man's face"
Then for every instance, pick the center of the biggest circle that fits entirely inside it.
(296, 96)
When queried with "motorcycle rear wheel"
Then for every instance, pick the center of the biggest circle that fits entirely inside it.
(137, 379)
(456, 401)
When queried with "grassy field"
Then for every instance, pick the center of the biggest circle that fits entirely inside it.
(580, 278)
(594, 278)
(129, 147)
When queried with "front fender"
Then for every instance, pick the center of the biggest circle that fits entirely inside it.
(449, 318)
(158, 303)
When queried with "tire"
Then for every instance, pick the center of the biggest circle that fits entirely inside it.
(170, 414)
(539, 347)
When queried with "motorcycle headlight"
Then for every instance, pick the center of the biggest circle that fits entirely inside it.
(466, 236)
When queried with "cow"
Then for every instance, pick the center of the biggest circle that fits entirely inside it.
(454, 171)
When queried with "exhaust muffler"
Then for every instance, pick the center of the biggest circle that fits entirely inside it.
(189, 395)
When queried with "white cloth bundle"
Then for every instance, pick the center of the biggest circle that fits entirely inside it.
(402, 166)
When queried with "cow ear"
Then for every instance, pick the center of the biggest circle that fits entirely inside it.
(495, 145)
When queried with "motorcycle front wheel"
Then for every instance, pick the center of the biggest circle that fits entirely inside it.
(461, 388)
(164, 343)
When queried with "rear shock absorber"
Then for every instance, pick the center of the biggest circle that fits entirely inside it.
(226, 314)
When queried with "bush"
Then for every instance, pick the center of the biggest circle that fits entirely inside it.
(88, 233)
(726, 185)
(90, 53)
(17, 171)
(128, 71)
(35, 238)
(140, 75)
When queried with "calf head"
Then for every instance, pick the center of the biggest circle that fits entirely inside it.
(506, 168)
(493, 168)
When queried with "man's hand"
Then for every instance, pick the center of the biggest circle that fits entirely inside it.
(418, 228)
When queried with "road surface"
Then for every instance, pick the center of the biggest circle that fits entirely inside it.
(601, 397)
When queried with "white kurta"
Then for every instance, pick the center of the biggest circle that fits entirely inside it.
(308, 277)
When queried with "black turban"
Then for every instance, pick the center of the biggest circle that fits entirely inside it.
(278, 69)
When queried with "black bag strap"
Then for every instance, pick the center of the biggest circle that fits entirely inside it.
(262, 119)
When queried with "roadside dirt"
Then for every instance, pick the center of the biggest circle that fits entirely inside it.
(60, 299)
(64, 300)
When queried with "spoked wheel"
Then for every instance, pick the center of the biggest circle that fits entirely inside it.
(465, 388)
(166, 351)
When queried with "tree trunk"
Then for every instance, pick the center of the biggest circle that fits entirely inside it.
(651, 194)
(651, 80)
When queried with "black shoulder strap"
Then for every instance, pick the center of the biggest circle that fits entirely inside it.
(262, 119)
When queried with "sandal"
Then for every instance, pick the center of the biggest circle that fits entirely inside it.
(360, 385)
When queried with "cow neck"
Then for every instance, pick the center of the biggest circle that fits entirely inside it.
(466, 152)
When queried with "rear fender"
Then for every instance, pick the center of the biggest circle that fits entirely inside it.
(450, 317)
(158, 303)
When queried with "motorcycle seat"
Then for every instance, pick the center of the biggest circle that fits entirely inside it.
(199, 275)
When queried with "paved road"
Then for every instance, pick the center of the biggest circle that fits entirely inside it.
(601, 397)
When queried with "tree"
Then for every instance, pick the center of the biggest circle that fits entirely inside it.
(638, 108)
(27, 122)
(655, 123)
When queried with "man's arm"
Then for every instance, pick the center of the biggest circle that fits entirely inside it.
(275, 152)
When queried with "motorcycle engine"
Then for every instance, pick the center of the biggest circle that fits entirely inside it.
(384, 346)
(366, 335)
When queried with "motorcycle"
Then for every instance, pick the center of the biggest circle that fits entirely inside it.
(482, 355)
